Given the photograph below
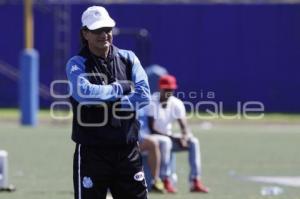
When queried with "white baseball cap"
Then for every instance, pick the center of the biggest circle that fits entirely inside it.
(96, 17)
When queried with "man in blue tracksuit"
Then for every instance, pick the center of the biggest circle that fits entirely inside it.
(108, 85)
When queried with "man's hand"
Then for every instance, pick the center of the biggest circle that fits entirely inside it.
(183, 142)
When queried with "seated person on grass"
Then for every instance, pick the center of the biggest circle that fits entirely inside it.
(163, 110)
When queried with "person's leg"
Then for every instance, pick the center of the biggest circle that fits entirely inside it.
(76, 173)
(165, 146)
(195, 164)
(193, 155)
(150, 145)
(84, 176)
(194, 158)
(129, 178)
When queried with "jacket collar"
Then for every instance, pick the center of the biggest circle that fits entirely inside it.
(85, 52)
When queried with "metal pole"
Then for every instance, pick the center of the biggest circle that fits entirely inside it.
(28, 17)
(29, 67)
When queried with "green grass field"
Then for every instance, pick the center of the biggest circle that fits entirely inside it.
(41, 158)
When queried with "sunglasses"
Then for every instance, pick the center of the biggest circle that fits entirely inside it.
(101, 30)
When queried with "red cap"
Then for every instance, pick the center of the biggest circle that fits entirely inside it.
(167, 82)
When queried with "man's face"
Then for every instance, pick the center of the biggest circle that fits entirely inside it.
(166, 93)
(100, 38)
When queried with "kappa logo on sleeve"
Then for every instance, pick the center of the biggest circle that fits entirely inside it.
(74, 68)
(139, 176)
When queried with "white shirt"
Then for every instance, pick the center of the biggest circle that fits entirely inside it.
(164, 117)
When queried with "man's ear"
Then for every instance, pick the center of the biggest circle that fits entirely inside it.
(85, 34)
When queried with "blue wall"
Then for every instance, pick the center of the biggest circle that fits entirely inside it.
(239, 52)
